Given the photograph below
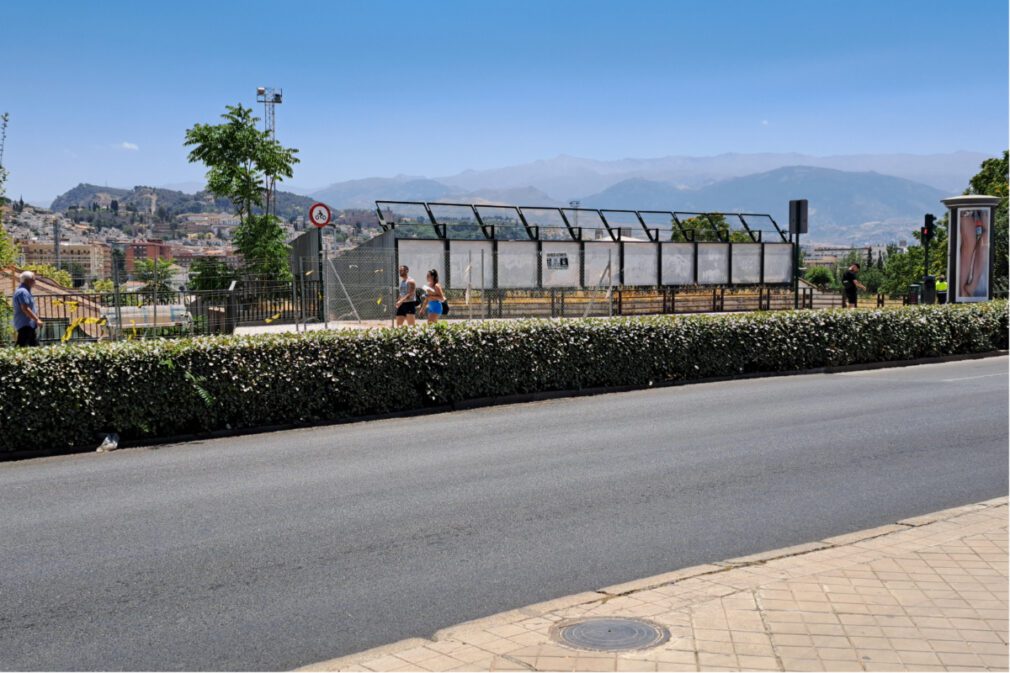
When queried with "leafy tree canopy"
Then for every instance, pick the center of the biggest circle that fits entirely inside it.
(241, 161)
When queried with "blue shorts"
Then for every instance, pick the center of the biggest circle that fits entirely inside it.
(435, 307)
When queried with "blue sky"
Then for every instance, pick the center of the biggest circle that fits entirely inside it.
(102, 92)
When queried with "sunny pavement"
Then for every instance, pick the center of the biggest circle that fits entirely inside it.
(927, 593)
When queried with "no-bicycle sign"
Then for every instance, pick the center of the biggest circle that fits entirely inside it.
(319, 214)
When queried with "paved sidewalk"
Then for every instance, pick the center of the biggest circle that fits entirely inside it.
(926, 593)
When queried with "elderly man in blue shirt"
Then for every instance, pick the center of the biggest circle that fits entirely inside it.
(26, 317)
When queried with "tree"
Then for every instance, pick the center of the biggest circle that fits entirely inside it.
(103, 285)
(9, 252)
(210, 273)
(821, 276)
(241, 161)
(77, 273)
(155, 274)
(902, 269)
(992, 179)
(49, 271)
(115, 206)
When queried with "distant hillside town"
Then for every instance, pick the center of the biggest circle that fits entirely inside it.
(99, 227)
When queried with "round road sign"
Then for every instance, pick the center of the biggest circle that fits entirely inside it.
(319, 214)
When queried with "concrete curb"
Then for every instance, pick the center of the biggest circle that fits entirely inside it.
(458, 631)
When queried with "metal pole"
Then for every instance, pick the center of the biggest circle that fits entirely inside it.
(610, 283)
(301, 303)
(796, 273)
(344, 288)
(294, 302)
(469, 282)
(119, 310)
(482, 277)
(56, 240)
(325, 257)
(155, 293)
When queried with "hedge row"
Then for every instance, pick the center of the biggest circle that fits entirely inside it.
(64, 396)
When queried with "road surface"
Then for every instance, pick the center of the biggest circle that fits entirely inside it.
(277, 550)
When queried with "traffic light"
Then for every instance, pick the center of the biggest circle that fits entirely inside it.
(928, 228)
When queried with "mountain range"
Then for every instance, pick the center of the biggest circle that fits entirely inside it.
(566, 177)
(854, 199)
(846, 207)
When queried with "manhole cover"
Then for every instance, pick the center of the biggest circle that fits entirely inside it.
(607, 634)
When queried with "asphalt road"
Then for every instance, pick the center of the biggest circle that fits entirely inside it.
(277, 550)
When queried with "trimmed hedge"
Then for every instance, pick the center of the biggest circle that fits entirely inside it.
(66, 396)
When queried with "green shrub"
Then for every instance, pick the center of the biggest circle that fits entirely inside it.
(66, 395)
(820, 276)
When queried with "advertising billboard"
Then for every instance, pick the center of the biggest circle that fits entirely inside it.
(971, 260)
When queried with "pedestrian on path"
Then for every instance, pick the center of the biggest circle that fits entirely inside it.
(850, 284)
(434, 298)
(26, 317)
(406, 302)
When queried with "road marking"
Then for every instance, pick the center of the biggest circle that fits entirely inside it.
(968, 378)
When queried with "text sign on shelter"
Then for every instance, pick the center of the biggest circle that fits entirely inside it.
(557, 260)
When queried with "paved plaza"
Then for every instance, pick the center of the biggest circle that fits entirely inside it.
(927, 593)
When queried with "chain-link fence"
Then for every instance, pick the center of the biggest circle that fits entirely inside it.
(161, 312)
(363, 285)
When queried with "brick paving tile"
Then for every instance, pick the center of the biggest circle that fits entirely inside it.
(930, 594)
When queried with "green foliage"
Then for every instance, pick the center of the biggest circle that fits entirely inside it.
(260, 239)
(60, 276)
(992, 179)
(704, 228)
(6, 322)
(210, 273)
(872, 277)
(242, 160)
(901, 269)
(820, 276)
(9, 252)
(103, 285)
(68, 395)
(155, 274)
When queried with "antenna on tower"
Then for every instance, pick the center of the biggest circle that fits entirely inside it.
(270, 97)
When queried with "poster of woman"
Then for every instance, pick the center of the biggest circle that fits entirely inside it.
(972, 258)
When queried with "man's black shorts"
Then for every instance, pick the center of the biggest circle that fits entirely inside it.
(27, 337)
(850, 298)
(407, 308)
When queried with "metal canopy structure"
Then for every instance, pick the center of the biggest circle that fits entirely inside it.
(569, 217)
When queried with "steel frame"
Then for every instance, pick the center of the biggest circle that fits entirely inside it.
(576, 233)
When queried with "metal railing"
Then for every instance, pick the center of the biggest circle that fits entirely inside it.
(93, 316)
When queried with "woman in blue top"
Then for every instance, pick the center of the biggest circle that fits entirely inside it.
(434, 297)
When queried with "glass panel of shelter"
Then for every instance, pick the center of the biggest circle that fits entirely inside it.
(458, 221)
(503, 222)
(589, 222)
(409, 219)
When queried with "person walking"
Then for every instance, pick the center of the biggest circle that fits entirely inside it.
(406, 302)
(850, 284)
(434, 298)
(941, 289)
(26, 317)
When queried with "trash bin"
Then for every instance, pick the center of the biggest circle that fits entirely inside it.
(914, 293)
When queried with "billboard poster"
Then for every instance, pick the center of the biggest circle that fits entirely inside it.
(972, 258)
